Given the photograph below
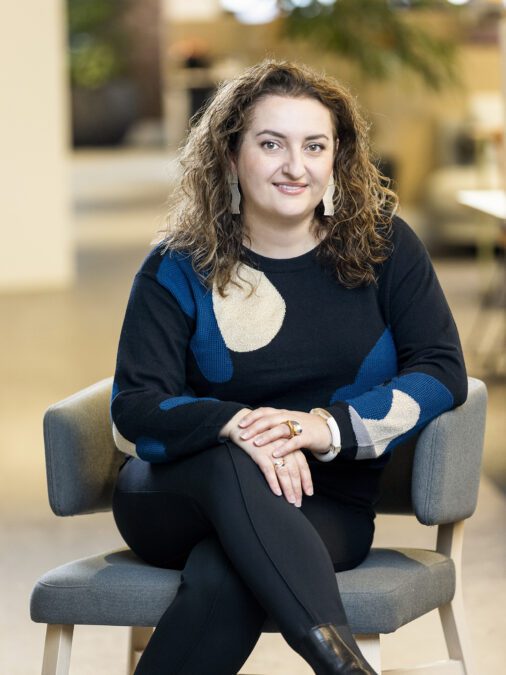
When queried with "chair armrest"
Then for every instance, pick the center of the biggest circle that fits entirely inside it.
(81, 458)
(446, 468)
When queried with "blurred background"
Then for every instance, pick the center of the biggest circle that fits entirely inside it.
(95, 99)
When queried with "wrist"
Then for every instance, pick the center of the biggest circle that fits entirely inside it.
(334, 446)
(326, 437)
(232, 423)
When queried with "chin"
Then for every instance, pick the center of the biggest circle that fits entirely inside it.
(291, 216)
(293, 211)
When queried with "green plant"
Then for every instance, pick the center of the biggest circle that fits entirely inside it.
(376, 36)
(98, 50)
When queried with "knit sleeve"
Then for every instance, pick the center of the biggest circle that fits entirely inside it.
(431, 375)
(156, 416)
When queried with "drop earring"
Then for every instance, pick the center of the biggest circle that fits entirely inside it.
(328, 199)
(235, 195)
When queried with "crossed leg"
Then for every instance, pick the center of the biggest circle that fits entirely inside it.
(245, 553)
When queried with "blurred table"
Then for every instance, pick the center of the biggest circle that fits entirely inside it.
(492, 203)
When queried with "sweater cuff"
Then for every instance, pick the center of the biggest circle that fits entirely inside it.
(340, 412)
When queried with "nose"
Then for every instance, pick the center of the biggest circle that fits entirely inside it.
(294, 165)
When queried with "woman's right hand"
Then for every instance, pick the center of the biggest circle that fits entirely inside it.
(292, 479)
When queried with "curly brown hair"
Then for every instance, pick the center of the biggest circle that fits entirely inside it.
(200, 223)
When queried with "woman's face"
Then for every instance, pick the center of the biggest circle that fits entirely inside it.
(285, 159)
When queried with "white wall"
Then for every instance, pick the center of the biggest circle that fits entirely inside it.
(36, 249)
(190, 10)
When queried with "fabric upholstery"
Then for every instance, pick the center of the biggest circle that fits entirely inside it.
(81, 458)
(446, 468)
(391, 588)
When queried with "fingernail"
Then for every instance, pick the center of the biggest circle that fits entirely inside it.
(275, 454)
(310, 492)
(242, 422)
(245, 434)
(278, 492)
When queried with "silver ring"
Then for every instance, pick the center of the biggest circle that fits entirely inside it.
(279, 462)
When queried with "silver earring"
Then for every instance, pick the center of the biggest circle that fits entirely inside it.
(328, 200)
(236, 196)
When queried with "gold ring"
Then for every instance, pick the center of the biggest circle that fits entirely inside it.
(294, 426)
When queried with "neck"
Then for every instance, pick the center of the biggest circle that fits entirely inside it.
(280, 240)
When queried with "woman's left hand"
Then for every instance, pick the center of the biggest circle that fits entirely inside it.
(265, 425)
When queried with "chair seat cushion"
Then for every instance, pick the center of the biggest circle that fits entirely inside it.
(390, 588)
(395, 586)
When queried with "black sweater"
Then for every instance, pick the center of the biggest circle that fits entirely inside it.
(383, 360)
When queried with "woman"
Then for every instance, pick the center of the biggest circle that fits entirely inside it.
(285, 336)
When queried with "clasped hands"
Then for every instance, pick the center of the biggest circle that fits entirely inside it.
(263, 434)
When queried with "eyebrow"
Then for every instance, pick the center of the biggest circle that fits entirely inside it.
(278, 135)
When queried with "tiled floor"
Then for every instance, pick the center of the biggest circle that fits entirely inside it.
(53, 344)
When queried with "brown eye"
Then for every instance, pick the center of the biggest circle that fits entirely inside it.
(270, 145)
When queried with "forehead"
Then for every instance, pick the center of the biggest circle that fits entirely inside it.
(305, 116)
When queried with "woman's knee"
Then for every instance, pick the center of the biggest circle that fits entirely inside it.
(224, 457)
(225, 467)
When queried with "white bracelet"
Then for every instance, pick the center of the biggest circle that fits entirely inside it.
(335, 446)
(326, 456)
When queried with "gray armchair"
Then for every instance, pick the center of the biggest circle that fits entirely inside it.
(435, 477)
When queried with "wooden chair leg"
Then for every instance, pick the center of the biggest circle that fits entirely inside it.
(57, 649)
(139, 638)
(371, 649)
(454, 625)
(450, 542)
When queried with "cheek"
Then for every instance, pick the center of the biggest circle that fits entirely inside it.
(328, 171)
(254, 172)
(325, 176)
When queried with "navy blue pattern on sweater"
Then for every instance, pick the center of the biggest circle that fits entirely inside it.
(383, 359)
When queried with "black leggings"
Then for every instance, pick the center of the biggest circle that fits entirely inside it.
(244, 552)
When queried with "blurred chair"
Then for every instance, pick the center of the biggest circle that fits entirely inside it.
(435, 476)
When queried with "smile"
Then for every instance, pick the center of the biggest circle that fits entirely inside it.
(290, 189)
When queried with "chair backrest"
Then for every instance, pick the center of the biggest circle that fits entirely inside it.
(82, 461)
(441, 466)
(434, 475)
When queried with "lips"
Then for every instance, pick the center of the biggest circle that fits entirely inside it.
(291, 188)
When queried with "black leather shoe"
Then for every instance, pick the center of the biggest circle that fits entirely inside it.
(328, 654)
